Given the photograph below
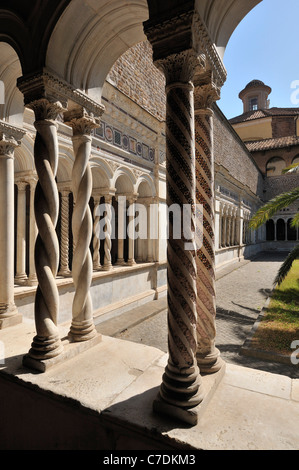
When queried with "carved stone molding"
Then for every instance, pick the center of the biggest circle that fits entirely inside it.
(10, 138)
(45, 84)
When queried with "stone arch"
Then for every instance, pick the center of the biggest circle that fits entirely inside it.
(145, 186)
(12, 109)
(274, 166)
(98, 27)
(124, 181)
(24, 159)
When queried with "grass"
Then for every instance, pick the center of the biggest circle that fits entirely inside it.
(280, 324)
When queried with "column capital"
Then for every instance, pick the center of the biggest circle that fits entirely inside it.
(10, 138)
(206, 93)
(22, 185)
(179, 68)
(45, 85)
(81, 121)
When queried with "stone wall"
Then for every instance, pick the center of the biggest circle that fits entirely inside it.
(135, 75)
(231, 153)
(275, 185)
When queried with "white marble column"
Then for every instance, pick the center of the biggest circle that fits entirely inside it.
(32, 278)
(82, 326)
(21, 276)
(131, 232)
(10, 138)
(122, 227)
(150, 255)
(96, 239)
(64, 234)
(47, 343)
(107, 265)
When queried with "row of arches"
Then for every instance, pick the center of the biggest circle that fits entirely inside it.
(281, 230)
(233, 229)
(276, 165)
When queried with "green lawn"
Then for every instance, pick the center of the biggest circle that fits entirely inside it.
(280, 324)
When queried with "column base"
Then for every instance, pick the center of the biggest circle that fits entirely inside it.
(191, 415)
(10, 319)
(131, 262)
(107, 267)
(209, 363)
(32, 281)
(120, 262)
(69, 350)
(82, 331)
(21, 279)
(64, 273)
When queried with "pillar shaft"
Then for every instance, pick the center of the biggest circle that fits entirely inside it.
(64, 234)
(131, 233)
(121, 202)
(207, 355)
(108, 232)
(21, 275)
(46, 343)
(82, 327)
(181, 385)
(9, 139)
(32, 279)
(96, 239)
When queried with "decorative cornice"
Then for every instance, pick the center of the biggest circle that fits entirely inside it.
(204, 47)
(46, 85)
(11, 133)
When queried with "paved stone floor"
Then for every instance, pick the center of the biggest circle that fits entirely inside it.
(241, 294)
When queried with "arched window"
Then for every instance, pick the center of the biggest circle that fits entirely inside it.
(275, 166)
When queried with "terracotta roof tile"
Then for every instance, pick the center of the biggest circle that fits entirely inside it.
(262, 113)
(268, 144)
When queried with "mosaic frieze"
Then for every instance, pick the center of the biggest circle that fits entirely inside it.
(123, 141)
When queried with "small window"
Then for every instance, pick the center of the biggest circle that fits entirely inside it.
(253, 104)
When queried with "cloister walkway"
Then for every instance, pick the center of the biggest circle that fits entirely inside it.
(242, 290)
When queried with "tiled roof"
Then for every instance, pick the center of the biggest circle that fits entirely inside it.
(268, 144)
(263, 113)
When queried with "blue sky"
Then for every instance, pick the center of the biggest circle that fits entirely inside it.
(264, 46)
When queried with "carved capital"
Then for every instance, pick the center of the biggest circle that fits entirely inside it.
(10, 138)
(46, 85)
(45, 109)
(81, 122)
(206, 92)
(180, 67)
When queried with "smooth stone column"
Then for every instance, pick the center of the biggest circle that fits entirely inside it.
(96, 239)
(107, 265)
(131, 232)
(121, 201)
(181, 390)
(21, 276)
(207, 355)
(64, 234)
(32, 278)
(150, 256)
(10, 138)
(82, 326)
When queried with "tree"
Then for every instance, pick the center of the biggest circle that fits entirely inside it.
(265, 212)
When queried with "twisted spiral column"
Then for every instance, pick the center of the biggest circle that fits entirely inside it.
(46, 343)
(96, 238)
(108, 231)
(82, 326)
(32, 279)
(64, 235)
(208, 356)
(181, 384)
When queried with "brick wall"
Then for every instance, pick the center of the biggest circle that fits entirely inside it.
(231, 153)
(278, 184)
(135, 75)
(283, 126)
